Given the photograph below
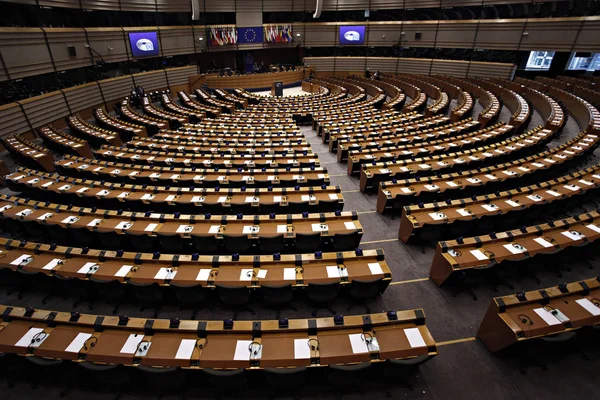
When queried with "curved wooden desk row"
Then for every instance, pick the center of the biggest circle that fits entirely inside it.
(174, 119)
(160, 343)
(547, 107)
(188, 102)
(464, 108)
(204, 97)
(246, 120)
(126, 130)
(214, 201)
(192, 115)
(230, 97)
(404, 127)
(152, 157)
(173, 146)
(343, 226)
(491, 109)
(557, 311)
(500, 203)
(371, 175)
(29, 154)
(586, 115)
(442, 101)
(94, 134)
(322, 121)
(187, 271)
(395, 94)
(481, 252)
(452, 139)
(144, 174)
(251, 136)
(409, 191)
(521, 112)
(63, 143)
(413, 133)
(152, 125)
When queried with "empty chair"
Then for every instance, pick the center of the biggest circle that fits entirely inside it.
(205, 244)
(272, 245)
(227, 380)
(286, 378)
(307, 242)
(242, 208)
(277, 297)
(348, 377)
(298, 207)
(346, 241)
(112, 240)
(236, 297)
(172, 243)
(58, 234)
(236, 244)
(149, 295)
(33, 230)
(141, 242)
(84, 237)
(111, 291)
(361, 291)
(330, 206)
(322, 295)
(189, 295)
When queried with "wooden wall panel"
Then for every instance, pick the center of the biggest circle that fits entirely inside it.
(174, 6)
(351, 64)
(499, 34)
(179, 76)
(320, 64)
(383, 64)
(245, 6)
(151, 80)
(427, 30)
(59, 39)
(588, 37)
(414, 66)
(59, 3)
(176, 40)
(110, 43)
(220, 5)
(83, 96)
(449, 67)
(320, 35)
(25, 52)
(138, 5)
(46, 108)
(100, 4)
(116, 88)
(3, 74)
(387, 34)
(454, 34)
(344, 5)
(279, 5)
(12, 120)
(556, 34)
(489, 70)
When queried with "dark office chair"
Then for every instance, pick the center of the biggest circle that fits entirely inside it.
(278, 297)
(348, 377)
(242, 208)
(361, 291)
(346, 241)
(205, 244)
(322, 295)
(84, 237)
(284, 379)
(298, 207)
(58, 234)
(33, 230)
(173, 244)
(315, 182)
(330, 206)
(237, 244)
(112, 240)
(272, 245)
(236, 297)
(189, 296)
(273, 208)
(141, 242)
(149, 295)
(227, 381)
(111, 291)
(307, 242)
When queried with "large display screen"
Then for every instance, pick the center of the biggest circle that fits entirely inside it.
(539, 61)
(584, 62)
(352, 34)
(143, 44)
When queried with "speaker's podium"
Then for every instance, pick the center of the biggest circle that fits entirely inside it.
(277, 89)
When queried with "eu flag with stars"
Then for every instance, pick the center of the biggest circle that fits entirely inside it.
(250, 35)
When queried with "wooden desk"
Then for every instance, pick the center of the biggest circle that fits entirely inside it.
(64, 142)
(92, 133)
(28, 153)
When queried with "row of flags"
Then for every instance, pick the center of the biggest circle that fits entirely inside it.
(278, 33)
(225, 35)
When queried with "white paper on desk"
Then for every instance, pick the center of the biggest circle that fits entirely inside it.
(593, 228)
(543, 242)
(319, 227)
(242, 352)
(95, 222)
(573, 188)
(515, 248)
(535, 164)
(333, 271)
(185, 229)
(359, 345)
(375, 268)
(186, 349)
(52, 264)
(24, 213)
(406, 190)
(124, 225)
(535, 197)
(281, 228)
(246, 274)
(214, 229)
(333, 196)
(491, 177)
(77, 343)
(203, 274)
(572, 235)
(490, 207)
(478, 254)
(165, 273)
(289, 274)
(170, 197)
(98, 169)
(70, 220)
(305, 197)
(197, 199)
(123, 195)
(150, 228)
(587, 183)
(65, 187)
(349, 225)
(547, 316)
(301, 349)
(551, 161)
(86, 269)
(134, 173)
(436, 216)
(6, 207)
(25, 341)
(34, 180)
(131, 344)
(199, 177)
(589, 306)
(222, 199)
(262, 273)
(451, 184)
(553, 193)
(251, 199)
(45, 216)
(463, 212)
(249, 229)
(123, 271)
(148, 196)
(415, 339)
(277, 199)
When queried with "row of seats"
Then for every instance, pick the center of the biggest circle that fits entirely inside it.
(28, 154)
(152, 124)
(93, 134)
(60, 142)
(196, 106)
(193, 116)
(175, 119)
(126, 130)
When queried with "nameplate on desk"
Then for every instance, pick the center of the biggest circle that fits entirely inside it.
(52, 264)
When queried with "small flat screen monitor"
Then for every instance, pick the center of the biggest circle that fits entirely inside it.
(143, 44)
(350, 35)
(584, 62)
(539, 61)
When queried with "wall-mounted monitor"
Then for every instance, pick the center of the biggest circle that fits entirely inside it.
(143, 44)
(584, 62)
(350, 35)
(539, 61)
